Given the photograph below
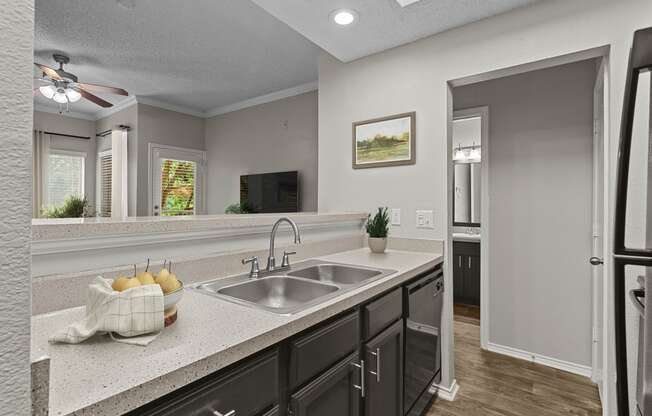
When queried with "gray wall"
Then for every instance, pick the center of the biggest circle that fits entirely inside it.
(272, 137)
(156, 125)
(127, 117)
(58, 123)
(540, 189)
(415, 77)
(16, 83)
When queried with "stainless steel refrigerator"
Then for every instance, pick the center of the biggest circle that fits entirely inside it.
(633, 236)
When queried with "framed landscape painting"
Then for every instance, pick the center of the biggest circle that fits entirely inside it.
(386, 141)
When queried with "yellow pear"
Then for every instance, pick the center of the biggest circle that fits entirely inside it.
(164, 273)
(132, 282)
(120, 283)
(160, 279)
(145, 278)
(169, 284)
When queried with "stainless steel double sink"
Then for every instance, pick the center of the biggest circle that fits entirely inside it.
(292, 290)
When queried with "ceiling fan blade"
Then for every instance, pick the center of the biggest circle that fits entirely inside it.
(94, 98)
(49, 72)
(103, 89)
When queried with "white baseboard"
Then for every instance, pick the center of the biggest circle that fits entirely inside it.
(582, 370)
(447, 393)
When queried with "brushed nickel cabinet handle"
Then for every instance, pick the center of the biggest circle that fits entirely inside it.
(360, 387)
(377, 372)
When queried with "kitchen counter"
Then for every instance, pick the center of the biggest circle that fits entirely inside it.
(67, 228)
(102, 377)
(467, 237)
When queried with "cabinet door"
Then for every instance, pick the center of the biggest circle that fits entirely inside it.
(384, 361)
(458, 278)
(472, 280)
(335, 392)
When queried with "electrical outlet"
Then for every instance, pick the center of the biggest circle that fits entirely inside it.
(425, 219)
(396, 216)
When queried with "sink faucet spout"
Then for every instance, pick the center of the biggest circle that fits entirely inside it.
(271, 260)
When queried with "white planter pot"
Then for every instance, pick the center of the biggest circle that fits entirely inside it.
(377, 245)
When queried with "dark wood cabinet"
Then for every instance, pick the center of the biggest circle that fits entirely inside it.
(384, 372)
(466, 273)
(226, 393)
(335, 392)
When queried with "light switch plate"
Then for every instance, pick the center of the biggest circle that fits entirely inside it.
(425, 219)
(396, 216)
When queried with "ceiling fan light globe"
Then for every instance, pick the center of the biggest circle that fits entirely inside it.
(48, 91)
(73, 95)
(60, 97)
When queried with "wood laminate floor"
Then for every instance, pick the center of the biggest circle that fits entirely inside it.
(496, 385)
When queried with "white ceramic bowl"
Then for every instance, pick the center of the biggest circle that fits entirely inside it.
(172, 298)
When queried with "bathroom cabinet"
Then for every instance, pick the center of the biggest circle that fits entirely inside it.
(466, 273)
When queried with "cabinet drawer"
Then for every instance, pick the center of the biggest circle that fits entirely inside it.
(224, 393)
(315, 352)
(464, 247)
(381, 313)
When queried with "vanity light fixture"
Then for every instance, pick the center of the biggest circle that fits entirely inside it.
(344, 17)
(475, 154)
(459, 155)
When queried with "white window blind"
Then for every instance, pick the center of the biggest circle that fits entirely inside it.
(65, 176)
(178, 187)
(104, 184)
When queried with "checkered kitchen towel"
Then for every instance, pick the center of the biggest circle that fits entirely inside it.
(132, 313)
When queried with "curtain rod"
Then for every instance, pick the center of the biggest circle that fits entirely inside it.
(72, 136)
(107, 132)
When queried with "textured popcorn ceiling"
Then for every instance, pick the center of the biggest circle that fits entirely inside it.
(383, 24)
(199, 54)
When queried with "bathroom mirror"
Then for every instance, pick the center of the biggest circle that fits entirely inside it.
(466, 204)
(467, 178)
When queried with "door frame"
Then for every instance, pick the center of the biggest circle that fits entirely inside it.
(157, 150)
(483, 113)
(603, 53)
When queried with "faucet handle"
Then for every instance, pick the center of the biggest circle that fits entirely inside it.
(286, 258)
(255, 267)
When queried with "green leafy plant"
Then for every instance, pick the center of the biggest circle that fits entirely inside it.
(73, 207)
(378, 225)
(240, 208)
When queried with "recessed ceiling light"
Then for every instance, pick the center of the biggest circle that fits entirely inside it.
(344, 17)
(405, 3)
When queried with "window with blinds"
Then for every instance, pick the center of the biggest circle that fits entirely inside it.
(177, 187)
(65, 177)
(104, 185)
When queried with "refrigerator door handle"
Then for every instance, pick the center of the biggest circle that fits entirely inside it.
(636, 295)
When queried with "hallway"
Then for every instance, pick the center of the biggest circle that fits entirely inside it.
(496, 385)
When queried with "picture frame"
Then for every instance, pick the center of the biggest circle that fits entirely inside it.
(384, 141)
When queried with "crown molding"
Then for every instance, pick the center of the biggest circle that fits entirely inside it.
(74, 114)
(170, 107)
(263, 99)
(133, 100)
(106, 112)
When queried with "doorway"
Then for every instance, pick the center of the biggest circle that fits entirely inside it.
(176, 178)
(543, 195)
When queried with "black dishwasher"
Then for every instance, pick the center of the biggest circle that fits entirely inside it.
(423, 302)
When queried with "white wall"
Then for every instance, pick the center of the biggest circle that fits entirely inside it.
(58, 123)
(540, 186)
(273, 137)
(16, 69)
(467, 132)
(415, 76)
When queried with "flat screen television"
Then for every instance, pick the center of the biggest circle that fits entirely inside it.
(270, 192)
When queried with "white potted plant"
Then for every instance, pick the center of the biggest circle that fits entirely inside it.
(378, 228)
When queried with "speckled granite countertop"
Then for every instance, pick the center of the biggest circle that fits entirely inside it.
(56, 229)
(101, 377)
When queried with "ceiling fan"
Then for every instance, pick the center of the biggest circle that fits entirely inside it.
(64, 87)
